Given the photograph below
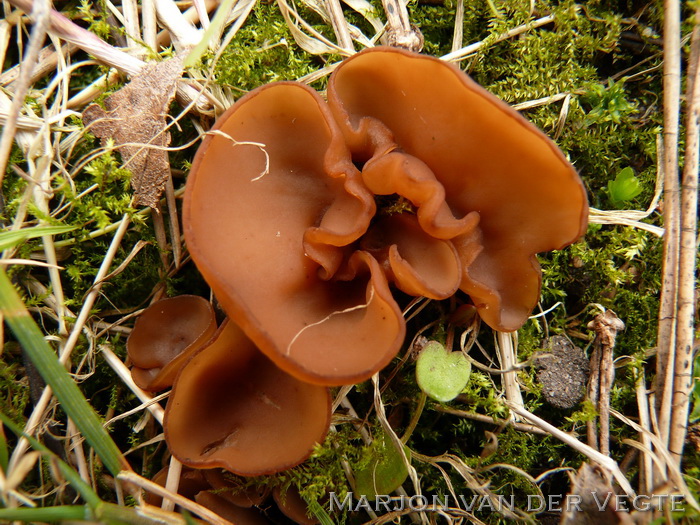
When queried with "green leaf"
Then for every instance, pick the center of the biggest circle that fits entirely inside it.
(10, 239)
(66, 391)
(625, 187)
(442, 374)
(383, 469)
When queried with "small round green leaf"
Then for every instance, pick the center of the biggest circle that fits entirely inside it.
(442, 375)
(382, 469)
(625, 187)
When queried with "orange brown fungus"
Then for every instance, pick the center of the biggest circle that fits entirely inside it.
(280, 210)
(232, 408)
(165, 336)
(293, 506)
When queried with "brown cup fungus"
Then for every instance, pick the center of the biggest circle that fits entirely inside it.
(232, 408)
(231, 499)
(281, 219)
(165, 336)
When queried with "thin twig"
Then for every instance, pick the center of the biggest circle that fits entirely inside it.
(606, 326)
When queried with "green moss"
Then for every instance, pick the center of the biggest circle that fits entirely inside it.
(264, 52)
(14, 386)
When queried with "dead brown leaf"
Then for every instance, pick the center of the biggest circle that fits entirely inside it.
(593, 501)
(135, 118)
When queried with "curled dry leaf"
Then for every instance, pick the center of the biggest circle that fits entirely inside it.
(134, 117)
(595, 500)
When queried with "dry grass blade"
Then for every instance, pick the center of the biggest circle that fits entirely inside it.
(41, 15)
(604, 461)
(315, 44)
(154, 488)
(672, 468)
(469, 50)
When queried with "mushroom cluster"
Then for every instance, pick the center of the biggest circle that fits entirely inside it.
(305, 215)
(281, 213)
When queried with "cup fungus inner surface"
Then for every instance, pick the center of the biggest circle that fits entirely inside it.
(232, 408)
(164, 337)
(280, 212)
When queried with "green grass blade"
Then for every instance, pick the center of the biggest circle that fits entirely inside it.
(4, 453)
(320, 514)
(52, 514)
(66, 391)
(76, 482)
(10, 239)
(213, 29)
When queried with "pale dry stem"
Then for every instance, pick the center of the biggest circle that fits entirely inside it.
(150, 403)
(685, 332)
(340, 26)
(646, 478)
(506, 345)
(666, 338)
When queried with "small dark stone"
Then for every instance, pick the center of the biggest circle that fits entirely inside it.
(563, 372)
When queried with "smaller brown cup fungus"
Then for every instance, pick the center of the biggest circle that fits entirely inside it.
(232, 408)
(165, 336)
(231, 499)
